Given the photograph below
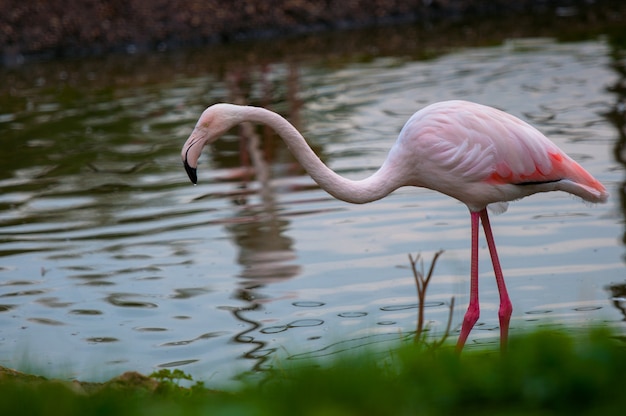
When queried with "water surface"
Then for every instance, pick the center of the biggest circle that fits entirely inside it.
(110, 260)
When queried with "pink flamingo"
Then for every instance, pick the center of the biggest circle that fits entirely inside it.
(476, 154)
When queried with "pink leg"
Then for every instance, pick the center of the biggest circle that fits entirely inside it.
(473, 310)
(504, 313)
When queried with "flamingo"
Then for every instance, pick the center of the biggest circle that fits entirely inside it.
(477, 154)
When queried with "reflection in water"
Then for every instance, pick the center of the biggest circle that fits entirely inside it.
(265, 252)
(618, 297)
(617, 116)
(258, 351)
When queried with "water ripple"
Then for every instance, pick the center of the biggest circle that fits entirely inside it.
(125, 300)
(102, 235)
(187, 342)
(85, 312)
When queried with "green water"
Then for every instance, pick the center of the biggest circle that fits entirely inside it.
(111, 260)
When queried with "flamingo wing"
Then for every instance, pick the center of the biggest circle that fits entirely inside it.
(467, 143)
(480, 143)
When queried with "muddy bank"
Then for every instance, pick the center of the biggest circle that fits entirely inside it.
(67, 28)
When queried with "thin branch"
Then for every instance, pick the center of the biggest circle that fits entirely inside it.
(449, 325)
(422, 283)
(432, 266)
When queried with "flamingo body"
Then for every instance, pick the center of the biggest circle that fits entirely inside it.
(476, 154)
(481, 155)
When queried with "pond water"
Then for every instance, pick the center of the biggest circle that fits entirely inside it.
(110, 260)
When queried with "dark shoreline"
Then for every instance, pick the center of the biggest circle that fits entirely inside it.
(80, 28)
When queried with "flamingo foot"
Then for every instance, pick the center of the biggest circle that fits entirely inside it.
(504, 314)
(473, 310)
(470, 319)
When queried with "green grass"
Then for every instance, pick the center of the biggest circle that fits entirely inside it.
(541, 373)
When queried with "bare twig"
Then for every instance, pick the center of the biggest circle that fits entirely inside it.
(448, 326)
(421, 292)
(421, 283)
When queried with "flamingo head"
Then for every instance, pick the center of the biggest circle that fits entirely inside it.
(214, 122)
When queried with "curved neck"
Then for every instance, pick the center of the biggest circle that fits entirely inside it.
(377, 186)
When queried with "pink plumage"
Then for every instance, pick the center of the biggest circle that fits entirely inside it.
(477, 154)
(481, 155)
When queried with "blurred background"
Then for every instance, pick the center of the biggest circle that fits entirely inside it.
(70, 28)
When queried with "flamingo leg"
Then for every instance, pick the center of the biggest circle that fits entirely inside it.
(473, 310)
(504, 313)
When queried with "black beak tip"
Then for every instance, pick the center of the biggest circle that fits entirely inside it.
(191, 172)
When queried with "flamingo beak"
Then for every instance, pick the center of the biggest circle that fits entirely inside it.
(191, 172)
